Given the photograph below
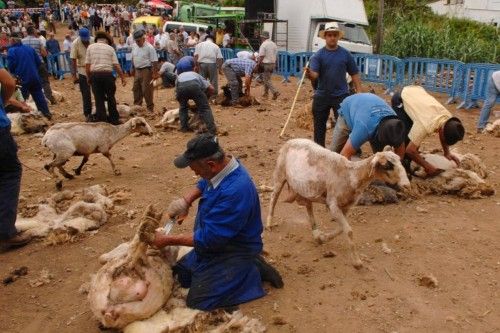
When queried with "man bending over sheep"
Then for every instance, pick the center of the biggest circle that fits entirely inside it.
(423, 115)
(367, 117)
(224, 268)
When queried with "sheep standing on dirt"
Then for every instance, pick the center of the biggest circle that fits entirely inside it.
(83, 139)
(316, 174)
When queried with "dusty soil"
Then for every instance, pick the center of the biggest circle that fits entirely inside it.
(454, 240)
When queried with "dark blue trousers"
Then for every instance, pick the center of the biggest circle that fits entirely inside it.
(10, 184)
(35, 89)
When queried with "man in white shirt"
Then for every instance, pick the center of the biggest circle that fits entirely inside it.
(268, 53)
(145, 61)
(208, 59)
(226, 40)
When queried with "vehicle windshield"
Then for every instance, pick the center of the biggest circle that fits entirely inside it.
(352, 33)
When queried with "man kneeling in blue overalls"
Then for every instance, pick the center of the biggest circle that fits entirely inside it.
(224, 268)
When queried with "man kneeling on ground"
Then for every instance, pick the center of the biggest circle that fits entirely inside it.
(224, 268)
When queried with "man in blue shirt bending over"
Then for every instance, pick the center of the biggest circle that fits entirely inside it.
(224, 268)
(327, 72)
(367, 117)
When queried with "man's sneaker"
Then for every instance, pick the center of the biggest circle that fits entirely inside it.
(268, 273)
(275, 95)
(18, 240)
(52, 100)
(48, 116)
(115, 122)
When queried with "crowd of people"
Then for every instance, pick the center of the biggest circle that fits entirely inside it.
(225, 268)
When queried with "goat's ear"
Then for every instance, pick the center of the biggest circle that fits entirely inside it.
(388, 148)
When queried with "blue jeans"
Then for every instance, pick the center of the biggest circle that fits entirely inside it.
(491, 96)
(191, 90)
(10, 184)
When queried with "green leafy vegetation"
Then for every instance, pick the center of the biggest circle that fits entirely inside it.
(412, 30)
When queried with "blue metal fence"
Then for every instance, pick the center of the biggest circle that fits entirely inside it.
(227, 53)
(125, 60)
(285, 64)
(299, 61)
(379, 69)
(474, 83)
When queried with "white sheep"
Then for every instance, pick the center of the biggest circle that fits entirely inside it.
(316, 174)
(83, 139)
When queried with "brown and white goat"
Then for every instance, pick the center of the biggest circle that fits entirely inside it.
(316, 174)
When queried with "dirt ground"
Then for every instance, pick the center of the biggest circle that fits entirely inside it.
(455, 240)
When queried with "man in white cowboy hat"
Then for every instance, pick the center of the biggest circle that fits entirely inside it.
(327, 71)
(268, 53)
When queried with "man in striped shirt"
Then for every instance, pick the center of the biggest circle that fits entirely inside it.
(99, 63)
(234, 69)
(36, 43)
(145, 70)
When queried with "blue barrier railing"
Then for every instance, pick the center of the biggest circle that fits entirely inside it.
(299, 61)
(379, 69)
(227, 53)
(474, 85)
(433, 74)
(189, 51)
(285, 64)
(59, 64)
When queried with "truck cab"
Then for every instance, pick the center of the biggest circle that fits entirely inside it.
(355, 38)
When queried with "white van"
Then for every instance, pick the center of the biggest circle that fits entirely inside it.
(355, 38)
(188, 27)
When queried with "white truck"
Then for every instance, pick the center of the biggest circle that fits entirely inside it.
(306, 23)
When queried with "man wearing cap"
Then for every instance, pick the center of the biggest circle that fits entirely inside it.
(224, 268)
(78, 54)
(185, 64)
(327, 72)
(268, 53)
(145, 61)
(234, 69)
(208, 59)
(100, 61)
(423, 115)
(24, 62)
(192, 86)
(367, 117)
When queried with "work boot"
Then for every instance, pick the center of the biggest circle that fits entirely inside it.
(268, 273)
(48, 116)
(18, 240)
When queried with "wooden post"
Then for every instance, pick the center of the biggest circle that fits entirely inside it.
(380, 27)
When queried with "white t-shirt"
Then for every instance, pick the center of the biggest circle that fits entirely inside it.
(496, 79)
(226, 40)
(269, 51)
(207, 52)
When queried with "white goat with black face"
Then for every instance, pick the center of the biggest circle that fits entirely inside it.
(316, 174)
(83, 139)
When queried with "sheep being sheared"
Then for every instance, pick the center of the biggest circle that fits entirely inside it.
(466, 182)
(32, 122)
(132, 285)
(170, 120)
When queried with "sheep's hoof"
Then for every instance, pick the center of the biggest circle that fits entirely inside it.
(69, 176)
(77, 172)
(117, 173)
(59, 185)
(319, 236)
(46, 167)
